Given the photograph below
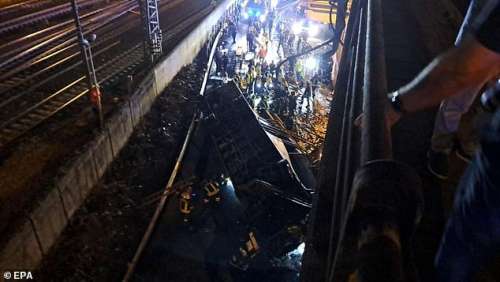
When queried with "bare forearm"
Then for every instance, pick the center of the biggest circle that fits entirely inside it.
(437, 82)
(460, 69)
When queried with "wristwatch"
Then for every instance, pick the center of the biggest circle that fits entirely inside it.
(396, 103)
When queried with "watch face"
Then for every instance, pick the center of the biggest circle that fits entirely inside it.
(396, 102)
(393, 95)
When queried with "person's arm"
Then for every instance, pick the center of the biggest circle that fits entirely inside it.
(463, 67)
(469, 65)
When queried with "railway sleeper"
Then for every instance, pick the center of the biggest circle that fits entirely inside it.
(42, 112)
(34, 115)
(19, 126)
(70, 95)
(25, 120)
(56, 102)
(5, 132)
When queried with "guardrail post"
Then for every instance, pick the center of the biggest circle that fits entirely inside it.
(385, 202)
(321, 241)
(384, 210)
(376, 138)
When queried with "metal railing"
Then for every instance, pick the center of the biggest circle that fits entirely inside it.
(366, 205)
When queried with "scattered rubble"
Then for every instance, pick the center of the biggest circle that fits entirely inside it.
(102, 236)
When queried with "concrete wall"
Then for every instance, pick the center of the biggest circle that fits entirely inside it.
(43, 225)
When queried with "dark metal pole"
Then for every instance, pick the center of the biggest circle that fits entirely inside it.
(376, 141)
(386, 203)
(81, 41)
(86, 53)
(315, 267)
(350, 161)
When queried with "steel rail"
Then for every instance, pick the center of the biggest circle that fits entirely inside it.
(15, 5)
(168, 188)
(113, 32)
(19, 22)
(65, 47)
(53, 76)
(65, 58)
(60, 35)
(30, 36)
(71, 84)
(12, 80)
(117, 10)
(42, 110)
(31, 4)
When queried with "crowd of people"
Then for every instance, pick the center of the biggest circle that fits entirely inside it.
(268, 83)
(472, 236)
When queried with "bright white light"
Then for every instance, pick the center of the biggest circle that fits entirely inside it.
(297, 28)
(259, 85)
(245, 15)
(299, 251)
(313, 30)
(274, 3)
(301, 248)
(262, 18)
(311, 63)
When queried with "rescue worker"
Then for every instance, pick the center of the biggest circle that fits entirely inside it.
(272, 69)
(291, 40)
(250, 39)
(292, 104)
(270, 21)
(232, 31)
(299, 44)
(263, 53)
(291, 65)
(281, 38)
(314, 86)
(307, 94)
(218, 61)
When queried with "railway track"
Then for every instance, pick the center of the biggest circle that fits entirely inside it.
(30, 50)
(37, 16)
(13, 9)
(46, 108)
(162, 197)
(25, 7)
(29, 57)
(36, 112)
(52, 68)
(53, 61)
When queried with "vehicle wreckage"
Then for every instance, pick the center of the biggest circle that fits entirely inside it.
(243, 192)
